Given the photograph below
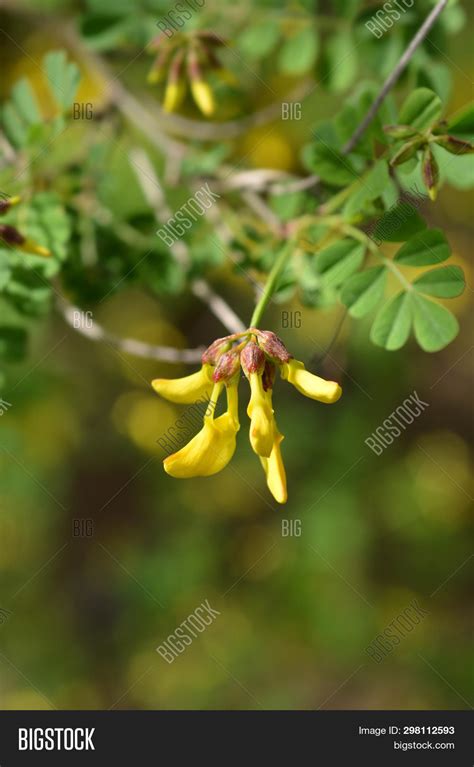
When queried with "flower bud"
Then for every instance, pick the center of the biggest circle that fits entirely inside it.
(252, 359)
(7, 202)
(11, 236)
(202, 93)
(227, 367)
(158, 71)
(273, 346)
(175, 87)
(214, 351)
(406, 152)
(430, 172)
(455, 145)
(400, 131)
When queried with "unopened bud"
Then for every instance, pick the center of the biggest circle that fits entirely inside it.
(175, 87)
(158, 71)
(252, 359)
(227, 367)
(273, 346)
(10, 235)
(455, 145)
(400, 131)
(7, 202)
(406, 152)
(430, 172)
(211, 355)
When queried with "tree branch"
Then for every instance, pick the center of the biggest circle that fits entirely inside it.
(96, 332)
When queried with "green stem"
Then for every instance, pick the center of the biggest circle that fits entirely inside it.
(271, 284)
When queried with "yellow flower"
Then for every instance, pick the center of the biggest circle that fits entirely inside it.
(174, 95)
(275, 470)
(261, 417)
(259, 353)
(203, 96)
(308, 384)
(188, 389)
(213, 447)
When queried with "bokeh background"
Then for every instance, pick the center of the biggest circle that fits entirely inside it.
(81, 616)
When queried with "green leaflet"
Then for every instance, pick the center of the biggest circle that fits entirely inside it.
(427, 247)
(362, 292)
(446, 282)
(435, 326)
(337, 262)
(392, 323)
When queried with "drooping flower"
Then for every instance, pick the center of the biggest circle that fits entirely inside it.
(259, 353)
(213, 447)
(308, 384)
(187, 389)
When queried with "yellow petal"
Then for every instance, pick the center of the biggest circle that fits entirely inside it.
(187, 389)
(308, 384)
(207, 453)
(174, 95)
(203, 96)
(275, 470)
(30, 246)
(261, 417)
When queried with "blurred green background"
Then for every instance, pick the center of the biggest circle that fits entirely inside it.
(81, 616)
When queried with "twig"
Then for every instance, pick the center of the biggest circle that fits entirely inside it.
(395, 74)
(425, 28)
(96, 332)
(154, 195)
(266, 214)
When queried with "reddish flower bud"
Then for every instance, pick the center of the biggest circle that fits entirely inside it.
(273, 346)
(252, 359)
(430, 173)
(455, 145)
(214, 351)
(227, 367)
(10, 235)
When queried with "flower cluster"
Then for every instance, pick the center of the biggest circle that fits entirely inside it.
(258, 353)
(181, 61)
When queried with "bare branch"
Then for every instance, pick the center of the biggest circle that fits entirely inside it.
(127, 345)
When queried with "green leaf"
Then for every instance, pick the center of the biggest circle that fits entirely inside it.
(446, 282)
(298, 53)
(14, 125)
(330, 165)
(362, 292)
(13, 341)
(25, 102)
(392, 323)
(259, 40)
(435, 326)
(399, 223)
(427, 247)
(337, 262)
(371, 187)
(63, 77)
(340, 61)
(421, 109)
(463, 124)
